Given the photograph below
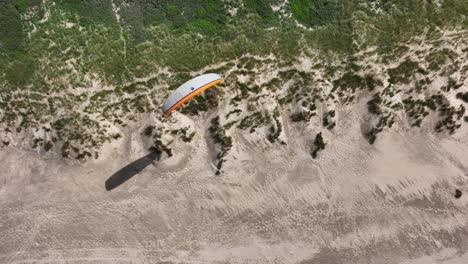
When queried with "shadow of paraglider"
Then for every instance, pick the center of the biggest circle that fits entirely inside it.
(131, 170)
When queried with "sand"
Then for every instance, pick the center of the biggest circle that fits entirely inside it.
(391, 202)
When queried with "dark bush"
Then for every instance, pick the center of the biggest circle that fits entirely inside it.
(373, 106)
(319, 144)
(148, 130)
(463, 96)
(299, 116)
(48, 145)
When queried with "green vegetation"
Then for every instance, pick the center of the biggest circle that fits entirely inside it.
(448, 115)
(262, 8)
(327, 119)
(349, 81)
(318, 145)
(276, 128)
(316, 12)
(416, 111)
(463, 96)
(373, 106)
(437, 58)
(148, 130)
(300, 116)
(219, 137)
(21, 5)
(11, 30)
(257, 119)
(51, 54)
(235, 111)
(90, 12)
(48, 145)
(404, 72)
(158, 145)
(371, 135)
(202, 102)
(166, 33)
(384, 118)
(186, 137)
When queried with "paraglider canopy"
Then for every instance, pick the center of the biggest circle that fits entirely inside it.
(189, 89)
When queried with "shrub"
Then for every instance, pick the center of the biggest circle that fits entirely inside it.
(463, 96)
(314, 12)
(319, 144)
(403, 72)
(48, 145)
(299, 116)
(148, 130)
(373, 106)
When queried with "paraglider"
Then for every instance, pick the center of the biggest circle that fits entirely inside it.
(189, 89)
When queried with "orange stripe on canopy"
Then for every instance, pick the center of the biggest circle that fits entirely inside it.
(192, 94)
